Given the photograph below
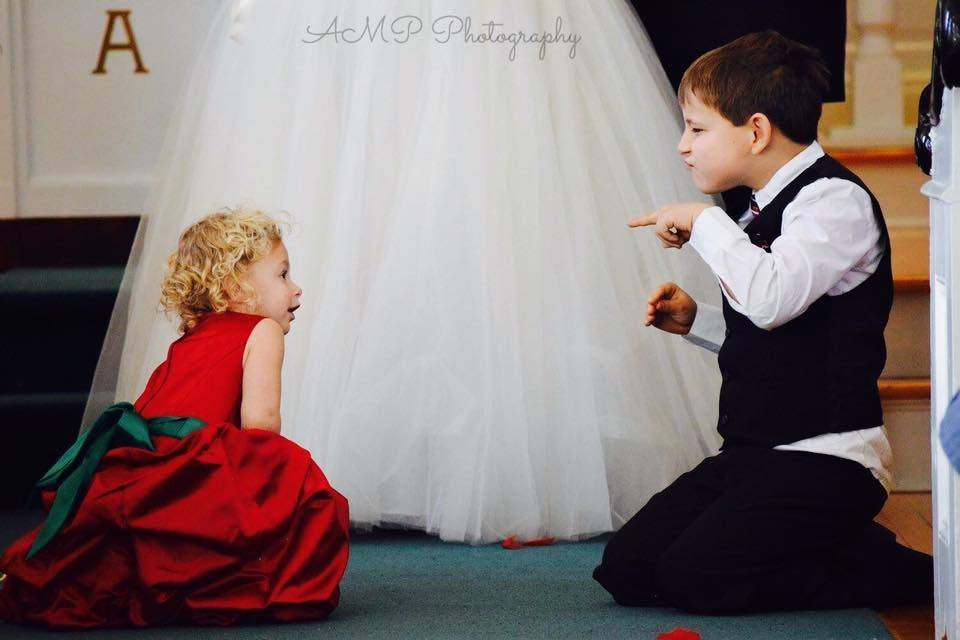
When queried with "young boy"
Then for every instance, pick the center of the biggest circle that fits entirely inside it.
(782, 517)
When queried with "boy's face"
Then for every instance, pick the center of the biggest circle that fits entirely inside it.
(278, 295)
(715, 150)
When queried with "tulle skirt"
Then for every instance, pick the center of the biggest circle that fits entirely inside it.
(470, 357)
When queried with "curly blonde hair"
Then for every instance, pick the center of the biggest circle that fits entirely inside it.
(205, 273)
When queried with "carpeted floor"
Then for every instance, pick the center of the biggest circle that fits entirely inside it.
(405, 585)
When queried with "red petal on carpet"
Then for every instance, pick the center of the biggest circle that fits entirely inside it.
(679, 634)
(513, 544)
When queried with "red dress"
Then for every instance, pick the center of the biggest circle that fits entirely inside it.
(223, 526)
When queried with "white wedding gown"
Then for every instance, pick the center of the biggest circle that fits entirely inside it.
(470, 357)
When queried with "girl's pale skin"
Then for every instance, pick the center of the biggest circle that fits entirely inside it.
(277, 297)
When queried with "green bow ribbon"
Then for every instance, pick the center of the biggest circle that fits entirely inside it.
(119, 426)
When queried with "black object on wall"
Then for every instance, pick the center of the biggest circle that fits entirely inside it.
(945, 73)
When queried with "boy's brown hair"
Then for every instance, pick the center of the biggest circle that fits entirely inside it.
(762, 73)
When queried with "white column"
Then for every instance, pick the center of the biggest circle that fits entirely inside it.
(8, 181)
(877, 84)
(944, 193)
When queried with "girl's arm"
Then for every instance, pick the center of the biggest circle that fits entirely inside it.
(262, 361)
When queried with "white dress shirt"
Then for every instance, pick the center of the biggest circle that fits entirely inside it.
(829, 244)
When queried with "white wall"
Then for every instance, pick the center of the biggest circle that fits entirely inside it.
(7, 156)
(84, 143)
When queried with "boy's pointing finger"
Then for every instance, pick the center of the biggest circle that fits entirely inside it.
(643, 221)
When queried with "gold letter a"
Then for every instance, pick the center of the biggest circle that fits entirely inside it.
(130, 44)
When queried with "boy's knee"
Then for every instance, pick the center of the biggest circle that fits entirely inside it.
(625, 573)
(629, 588)
(618, 550)
(685, 582)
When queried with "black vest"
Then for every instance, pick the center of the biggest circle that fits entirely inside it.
(817, 373)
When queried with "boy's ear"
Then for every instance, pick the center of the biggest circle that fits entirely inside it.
(762, 130)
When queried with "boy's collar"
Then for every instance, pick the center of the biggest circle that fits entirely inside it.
(785, 174)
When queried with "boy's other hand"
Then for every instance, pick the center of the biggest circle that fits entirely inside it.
(671, 309)
(674, 222)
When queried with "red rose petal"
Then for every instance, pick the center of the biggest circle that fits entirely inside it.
(679, 634)
(511, 543)
(540, 542)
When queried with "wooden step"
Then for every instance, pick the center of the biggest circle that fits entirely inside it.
(906, 415)
(904, 388)
(878, 155)
(908, 331)
(910, 516)
(911, 257)
(893, 176)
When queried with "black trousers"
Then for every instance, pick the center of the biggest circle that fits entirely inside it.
(756, 529)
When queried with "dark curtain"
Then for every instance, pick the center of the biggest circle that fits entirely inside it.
(683, 30)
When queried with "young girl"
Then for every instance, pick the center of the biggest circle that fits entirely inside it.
(199, 510)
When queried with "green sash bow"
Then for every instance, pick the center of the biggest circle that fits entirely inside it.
(119, 426)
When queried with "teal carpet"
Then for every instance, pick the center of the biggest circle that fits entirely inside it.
(403, 585)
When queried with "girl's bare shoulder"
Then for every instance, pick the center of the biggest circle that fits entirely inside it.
(266, 339)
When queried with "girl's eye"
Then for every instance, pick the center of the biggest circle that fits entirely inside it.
(284, 275)
(696, 130)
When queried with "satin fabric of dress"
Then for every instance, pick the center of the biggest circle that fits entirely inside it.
(222, 527)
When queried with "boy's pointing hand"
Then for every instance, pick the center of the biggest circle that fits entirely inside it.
(674, 222)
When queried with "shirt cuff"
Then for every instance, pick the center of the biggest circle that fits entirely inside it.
(708, 329)
(717, 239)
(713, 232)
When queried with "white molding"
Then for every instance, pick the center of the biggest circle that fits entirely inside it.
(908, 222)
(906, 424)
(905, 49)
(8, 155)
(84, 195)
(21, 97)
(945, 356)
(915, 45)
(900, 45)
(78, 214)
